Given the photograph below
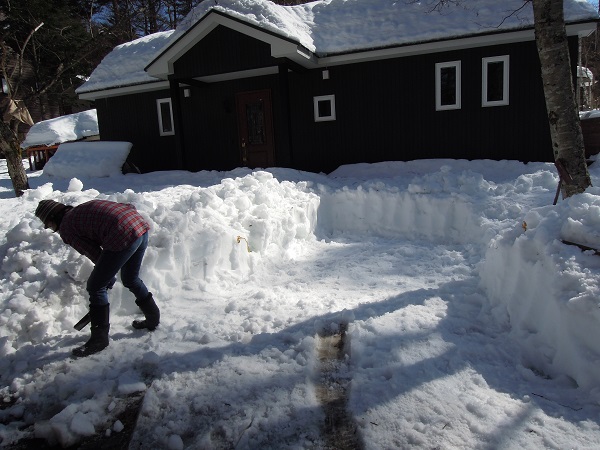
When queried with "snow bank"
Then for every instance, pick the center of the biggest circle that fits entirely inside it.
(436, 207)
(214, 233)
(89, 159)
(547, 291)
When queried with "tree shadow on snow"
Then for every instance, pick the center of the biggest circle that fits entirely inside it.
(484, 352)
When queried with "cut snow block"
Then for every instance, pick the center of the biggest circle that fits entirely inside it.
(92, 159)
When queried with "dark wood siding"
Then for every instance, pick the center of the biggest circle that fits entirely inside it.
(134, 118)
(591, 135)
(223, 51)
(386, 111)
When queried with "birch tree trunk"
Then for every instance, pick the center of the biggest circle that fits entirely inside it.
(565, 128)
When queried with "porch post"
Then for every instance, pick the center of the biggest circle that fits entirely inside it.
(177, 124)
(286, 122)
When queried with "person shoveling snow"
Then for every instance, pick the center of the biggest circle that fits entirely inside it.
(114, 236)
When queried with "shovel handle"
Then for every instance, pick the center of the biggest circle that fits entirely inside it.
(83, 322)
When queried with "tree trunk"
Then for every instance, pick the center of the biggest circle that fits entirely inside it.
(12, 152)
(565, 128)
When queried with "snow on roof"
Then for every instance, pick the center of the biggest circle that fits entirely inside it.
(335, 26)
(124, 66)
(71, 127)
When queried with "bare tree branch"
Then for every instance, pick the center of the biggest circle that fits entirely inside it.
(19, 65)
(514, 13)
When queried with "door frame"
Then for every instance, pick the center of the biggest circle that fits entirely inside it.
(265, 152)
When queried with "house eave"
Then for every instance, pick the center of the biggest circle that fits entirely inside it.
(124, 90)
(242, 74)
(443, 45)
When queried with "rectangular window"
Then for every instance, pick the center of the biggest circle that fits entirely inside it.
(447, 85)
(165, 117)
(495, 81)
(324, 107)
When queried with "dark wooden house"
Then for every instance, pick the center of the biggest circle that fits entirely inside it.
(231, 89)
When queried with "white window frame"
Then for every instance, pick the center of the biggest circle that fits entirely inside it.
(324, 98)
(161, 130)
(438, 85)
(505, 81)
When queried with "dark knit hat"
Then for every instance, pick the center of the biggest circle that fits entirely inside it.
(47, 209)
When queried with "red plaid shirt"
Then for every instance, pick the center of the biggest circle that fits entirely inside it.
(101, 225)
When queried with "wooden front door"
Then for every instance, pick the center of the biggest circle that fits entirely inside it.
(255, 128)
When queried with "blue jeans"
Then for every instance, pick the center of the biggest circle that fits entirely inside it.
(128, 261)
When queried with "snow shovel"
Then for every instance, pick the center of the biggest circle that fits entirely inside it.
(82, 323)
(86, 319)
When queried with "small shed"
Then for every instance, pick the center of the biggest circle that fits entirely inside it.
(44, 137)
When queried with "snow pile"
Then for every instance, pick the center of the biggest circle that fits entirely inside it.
(470, 324)
(215, 234)
(71, 127)
(548, 291)
(90, 159)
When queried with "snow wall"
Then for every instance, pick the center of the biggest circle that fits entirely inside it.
(547, 291)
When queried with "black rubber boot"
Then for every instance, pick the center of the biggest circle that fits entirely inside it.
(100, 325)
(151, 312)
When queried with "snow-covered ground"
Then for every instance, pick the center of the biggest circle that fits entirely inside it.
(467, 328)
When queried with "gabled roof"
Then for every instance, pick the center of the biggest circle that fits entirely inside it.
(329, 32)
(340, 26)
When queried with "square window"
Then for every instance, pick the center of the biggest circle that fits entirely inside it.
(165, 117)
(495, 71)
(447, 85)
(324, 108)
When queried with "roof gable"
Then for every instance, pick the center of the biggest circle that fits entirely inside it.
(223, 50)
(184, 40)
